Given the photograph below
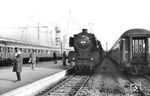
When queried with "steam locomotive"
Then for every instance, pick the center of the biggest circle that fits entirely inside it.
(132, 52)
(88, 51)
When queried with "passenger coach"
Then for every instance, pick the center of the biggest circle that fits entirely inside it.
(132, 52)
(43, 53)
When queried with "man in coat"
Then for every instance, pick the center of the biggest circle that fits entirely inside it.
(33, 59)
(64, 58)
(18, 64)
(55, 57)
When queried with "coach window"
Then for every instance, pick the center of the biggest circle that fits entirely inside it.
(140, 46)
(38, 50)
(8, 49)
(133, 46)
(21, 49)
(143, 45)
(0, 49)
(3, 49)
(149, 44)
(41, 51)
(28, 50)
(25, 50)
(35, 50)
(50, 51)
(136, 46)
(11, 49)
(46, 51)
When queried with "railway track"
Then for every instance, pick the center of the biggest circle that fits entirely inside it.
(106, 81)
(103, 82)
(69, 87)
(135, 84)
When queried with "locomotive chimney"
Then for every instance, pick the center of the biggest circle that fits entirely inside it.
(84, 30)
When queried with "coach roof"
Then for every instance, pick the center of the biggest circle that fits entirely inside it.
(136, 33)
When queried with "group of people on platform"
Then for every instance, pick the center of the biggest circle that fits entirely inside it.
(63, 58)
(18, 61)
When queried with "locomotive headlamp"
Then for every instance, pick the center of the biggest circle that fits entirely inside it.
(91, 58)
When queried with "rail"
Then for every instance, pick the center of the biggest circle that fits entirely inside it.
(71, 86)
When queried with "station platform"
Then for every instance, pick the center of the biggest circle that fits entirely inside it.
(44, 69)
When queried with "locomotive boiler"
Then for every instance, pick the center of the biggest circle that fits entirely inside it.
(132, 52)
(87, 51)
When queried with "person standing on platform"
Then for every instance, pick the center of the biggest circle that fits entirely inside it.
(17, 67)
(64, 58)
(32, 59)
(55, 57)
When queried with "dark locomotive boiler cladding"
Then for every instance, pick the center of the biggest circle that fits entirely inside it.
(87, 51)
(132, 52)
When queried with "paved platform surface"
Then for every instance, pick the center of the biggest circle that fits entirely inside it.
(42, 70)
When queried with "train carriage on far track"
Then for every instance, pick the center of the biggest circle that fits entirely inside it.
(132, 52)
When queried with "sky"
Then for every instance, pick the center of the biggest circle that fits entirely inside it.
(107, 19)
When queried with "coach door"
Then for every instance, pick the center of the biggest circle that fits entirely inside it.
(138, 50)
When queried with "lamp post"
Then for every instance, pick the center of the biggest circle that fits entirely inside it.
(61, 47)
(58, 40)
